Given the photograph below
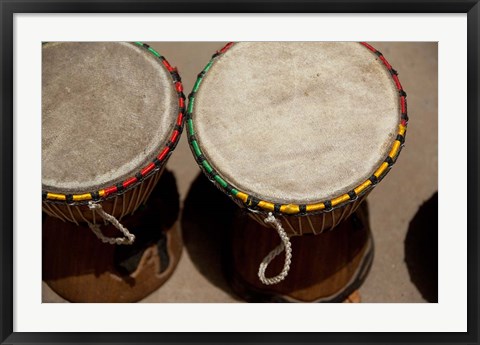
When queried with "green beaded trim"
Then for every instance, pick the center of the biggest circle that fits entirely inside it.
(257, 205)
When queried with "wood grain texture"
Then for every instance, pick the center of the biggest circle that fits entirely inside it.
(325, 268)
(80, 268)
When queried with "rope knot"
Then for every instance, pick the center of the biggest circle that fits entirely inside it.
(93, 206)
(270, 218)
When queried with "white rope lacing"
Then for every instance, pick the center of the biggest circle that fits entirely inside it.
(97, 208)
(284, 246)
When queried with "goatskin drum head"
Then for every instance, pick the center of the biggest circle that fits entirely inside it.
(107, 111)
(296, 122)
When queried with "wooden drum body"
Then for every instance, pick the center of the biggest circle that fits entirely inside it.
(112, 113)
(298, 134)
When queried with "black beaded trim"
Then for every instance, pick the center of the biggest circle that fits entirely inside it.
(95, 196)
(120, 187)
(175, 76)
(200, 159)
(157, 163)
(352, 195)
(212, 174)
(229, 188)
(252, 202)
(303, 209)
(328, 205)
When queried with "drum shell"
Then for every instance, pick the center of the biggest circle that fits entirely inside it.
(242, 181)
(118, 206)
(315, 223)
(119, 188)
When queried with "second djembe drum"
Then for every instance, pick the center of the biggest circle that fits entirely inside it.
(298, 134)
(112, 113)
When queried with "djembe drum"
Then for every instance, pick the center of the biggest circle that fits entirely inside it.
(298, 134)
(112, 113)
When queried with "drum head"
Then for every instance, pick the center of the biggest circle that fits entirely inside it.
(295, 122)
(108, 109)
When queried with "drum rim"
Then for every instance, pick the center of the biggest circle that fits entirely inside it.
(255, 204)
(148, 170)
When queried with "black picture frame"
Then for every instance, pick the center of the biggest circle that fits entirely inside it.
(9, 8)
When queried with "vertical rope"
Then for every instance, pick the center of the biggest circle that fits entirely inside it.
(155, 179)
(343, 214)
(284, 246)
(62, 216)
(71, 214)
(133, 192)
(114, 204)
(51, 212)
(324, 216)
(290, 225)
(97, 208)
(256, 217)
(148, 189)
(81, 214)
(139, 198)
(334, 224)
(123, 205)
(311, 225)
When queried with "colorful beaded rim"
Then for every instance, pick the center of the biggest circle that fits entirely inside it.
(154, 165)
(255, 204)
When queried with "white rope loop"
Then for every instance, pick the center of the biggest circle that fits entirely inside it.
(285, 245)
(128, 239)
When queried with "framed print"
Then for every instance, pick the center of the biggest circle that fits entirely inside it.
(193, 156)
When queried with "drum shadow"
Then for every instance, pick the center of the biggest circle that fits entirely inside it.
(159, 213)
(206, 220)
(327, 267)
(421, 249)
(70, 250)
